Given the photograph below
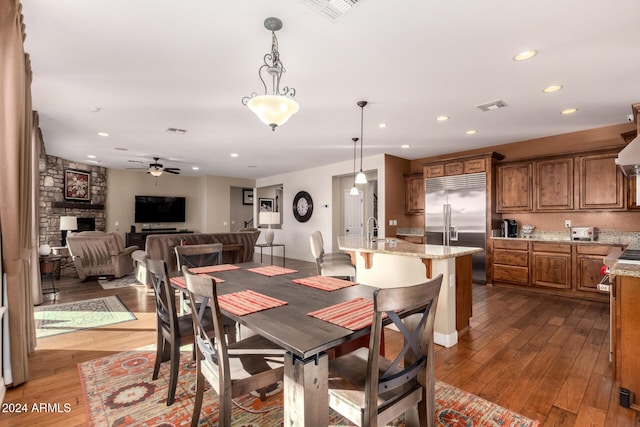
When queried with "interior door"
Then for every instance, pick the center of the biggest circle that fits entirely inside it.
(353, 213)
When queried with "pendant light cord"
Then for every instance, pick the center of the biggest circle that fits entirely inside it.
(361, 133)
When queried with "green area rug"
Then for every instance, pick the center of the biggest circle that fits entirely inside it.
(118, 391)
(56, 319)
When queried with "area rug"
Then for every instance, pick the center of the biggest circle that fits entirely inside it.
(118, 391)
(122, 282)
(56, 319)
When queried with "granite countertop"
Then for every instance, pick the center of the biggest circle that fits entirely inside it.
(628, 239)
(403, 248)
(620, 269)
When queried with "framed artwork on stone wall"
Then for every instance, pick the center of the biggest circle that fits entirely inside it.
(76, 185)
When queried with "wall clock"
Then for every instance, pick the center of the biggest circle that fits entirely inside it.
(302, 206)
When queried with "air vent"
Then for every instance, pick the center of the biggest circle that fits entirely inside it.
(176, 131)
(493, 105)
(332, 9)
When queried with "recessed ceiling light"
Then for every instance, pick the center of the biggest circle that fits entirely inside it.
(553, 88)
(103, 133)
(252, 166)
(442, 118)
(569, 111)
(234, 154)
(382, 125)
(405, 146)
(121, 149)
(94, 109)
(471, 132)
(523, 56)
(91, 156)
(195, 168)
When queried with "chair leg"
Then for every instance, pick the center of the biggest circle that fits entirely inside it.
(224, 409)
(197, 405)
(173, 377)
(159, 354)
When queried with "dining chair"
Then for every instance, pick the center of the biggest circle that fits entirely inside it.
(335, 265)
(172, 330)
(369, 389)
(202, 256)
(233, 369)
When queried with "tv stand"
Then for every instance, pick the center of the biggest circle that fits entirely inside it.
(139, 239)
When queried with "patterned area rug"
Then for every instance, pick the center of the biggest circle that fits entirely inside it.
(118, 391)
(58, 319)
(123, 282)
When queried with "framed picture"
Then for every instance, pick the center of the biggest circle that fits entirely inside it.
(76, 185)
(266, 205)
(247, 196)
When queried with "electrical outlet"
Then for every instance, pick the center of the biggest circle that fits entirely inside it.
(567, 223)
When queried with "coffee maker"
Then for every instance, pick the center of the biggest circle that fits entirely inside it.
(509, 228)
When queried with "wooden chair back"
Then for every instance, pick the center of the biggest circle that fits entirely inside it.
(166, 307)
(199, 255)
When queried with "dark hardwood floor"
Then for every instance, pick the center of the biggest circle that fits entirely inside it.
(542, 356)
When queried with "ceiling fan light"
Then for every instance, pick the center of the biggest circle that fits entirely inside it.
(354, 191)
(273, 110)
(155, 172)
(361, 178)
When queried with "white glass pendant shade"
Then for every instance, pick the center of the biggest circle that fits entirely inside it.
(273, 110)
(354, 191)
(361, 178)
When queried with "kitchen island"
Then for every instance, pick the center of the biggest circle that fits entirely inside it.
(393, 262)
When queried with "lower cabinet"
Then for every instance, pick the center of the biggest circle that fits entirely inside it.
(569, 269)
(626, 337)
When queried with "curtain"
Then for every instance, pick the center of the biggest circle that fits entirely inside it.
(16, 186)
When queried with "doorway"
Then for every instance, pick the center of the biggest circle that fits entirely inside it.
(353, 213)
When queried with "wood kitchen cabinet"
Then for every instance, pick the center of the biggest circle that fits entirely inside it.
(587, 264)
(601, 183)
(632, 203)
(414, 193)
(554, 184)
(551, 265)
(514, 187)
(511, 261)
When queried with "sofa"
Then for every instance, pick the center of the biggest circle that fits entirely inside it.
(236, 247)
(97, 253)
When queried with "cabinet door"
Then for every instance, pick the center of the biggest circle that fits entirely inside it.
(433, 171)
(454, 168)
(632, 203)
(514, 187)
(588, 272)
(554, 184)
(601, 182)
(414, 194)
(551, 270)
(474, 166)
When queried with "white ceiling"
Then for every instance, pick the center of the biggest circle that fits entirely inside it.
(154, 64)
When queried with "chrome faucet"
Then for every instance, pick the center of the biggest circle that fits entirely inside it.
(372, 234)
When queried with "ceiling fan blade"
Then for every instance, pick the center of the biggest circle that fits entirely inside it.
(175, 172)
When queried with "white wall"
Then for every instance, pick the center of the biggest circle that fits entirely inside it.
(319, 183)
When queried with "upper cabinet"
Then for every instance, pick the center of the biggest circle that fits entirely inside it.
(601, 182)
(514, 187)
(414, 193)
(580, 182)
(554, 189)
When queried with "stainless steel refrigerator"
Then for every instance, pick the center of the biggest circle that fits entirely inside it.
(456, 215)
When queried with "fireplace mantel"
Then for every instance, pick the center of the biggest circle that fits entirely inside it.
(78, 205)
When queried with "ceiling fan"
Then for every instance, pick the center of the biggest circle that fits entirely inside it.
(156, 169)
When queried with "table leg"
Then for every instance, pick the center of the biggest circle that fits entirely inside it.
(260, 254)
(306, 391)
(271, 255)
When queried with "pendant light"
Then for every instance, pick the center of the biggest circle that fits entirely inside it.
(276, 106)
(354, 190)
(361, 178)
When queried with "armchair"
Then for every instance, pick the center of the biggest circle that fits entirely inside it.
(96, 253)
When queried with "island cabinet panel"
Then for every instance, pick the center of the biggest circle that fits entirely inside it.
(626, 336)
(514, 187)
(602, 184)
(554, 185)
(414, 194)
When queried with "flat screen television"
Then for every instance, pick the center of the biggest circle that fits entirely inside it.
(159, 209)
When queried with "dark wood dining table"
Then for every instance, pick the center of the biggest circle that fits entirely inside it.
(306, 339)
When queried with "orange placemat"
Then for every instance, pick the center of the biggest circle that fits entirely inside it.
(213, 268)
(324, 282)
(271, 270)
(353, 314)
(246, 302)
(180, 282)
